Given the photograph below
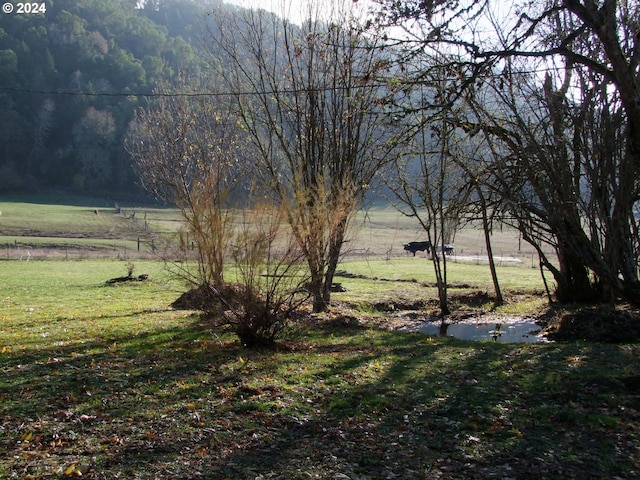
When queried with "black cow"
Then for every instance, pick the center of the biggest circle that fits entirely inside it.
(414, 247)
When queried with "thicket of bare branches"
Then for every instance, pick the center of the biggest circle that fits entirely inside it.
(186, 153)
(556, 168)
(183, 151)
(553, 88)
(268, 273)
(309, 106)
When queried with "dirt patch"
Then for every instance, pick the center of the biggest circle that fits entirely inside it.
(208, 299)
(198, 298)
(598, 324)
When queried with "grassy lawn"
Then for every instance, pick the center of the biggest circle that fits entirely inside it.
(107, 382)
(420, 270)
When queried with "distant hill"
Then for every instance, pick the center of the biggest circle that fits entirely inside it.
(70, 80)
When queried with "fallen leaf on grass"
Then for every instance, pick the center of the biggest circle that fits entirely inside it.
(575, 360)
(76, 470)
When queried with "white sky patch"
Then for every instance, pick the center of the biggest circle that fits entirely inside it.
(297, 10)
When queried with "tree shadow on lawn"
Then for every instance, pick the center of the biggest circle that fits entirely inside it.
(65, 403)
(176, 403)
(461, 410)
(105, 365)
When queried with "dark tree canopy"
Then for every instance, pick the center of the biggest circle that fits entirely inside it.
(70, 80)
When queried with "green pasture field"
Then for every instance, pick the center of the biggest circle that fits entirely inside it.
(36, 227)
(66, 242)
(404, 280)
(71, 221)
(39, 223)
(37, 296)
(108, 382)
(374, 249)
(420, 270)
(382, 231)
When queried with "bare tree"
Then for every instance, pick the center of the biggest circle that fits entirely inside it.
(269, 277)
(306, 98)
(473, 157)
(427, 183)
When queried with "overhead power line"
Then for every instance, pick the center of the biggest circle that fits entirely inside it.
(122, 94)
(238, 93)
(184, 94)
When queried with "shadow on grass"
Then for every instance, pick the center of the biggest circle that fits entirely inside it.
(408, 408)
(182, 403)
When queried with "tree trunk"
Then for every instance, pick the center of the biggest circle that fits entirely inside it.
(573, 280)
(441, 284)
(499, 300)
(316, 289)
(320, 303)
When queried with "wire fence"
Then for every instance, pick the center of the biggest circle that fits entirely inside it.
(23, 251)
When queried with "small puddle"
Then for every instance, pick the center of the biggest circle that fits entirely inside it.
(511, 332)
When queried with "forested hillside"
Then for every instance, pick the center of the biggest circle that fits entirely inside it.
(70, 80)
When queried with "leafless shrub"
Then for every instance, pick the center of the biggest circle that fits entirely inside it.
(269, 275)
